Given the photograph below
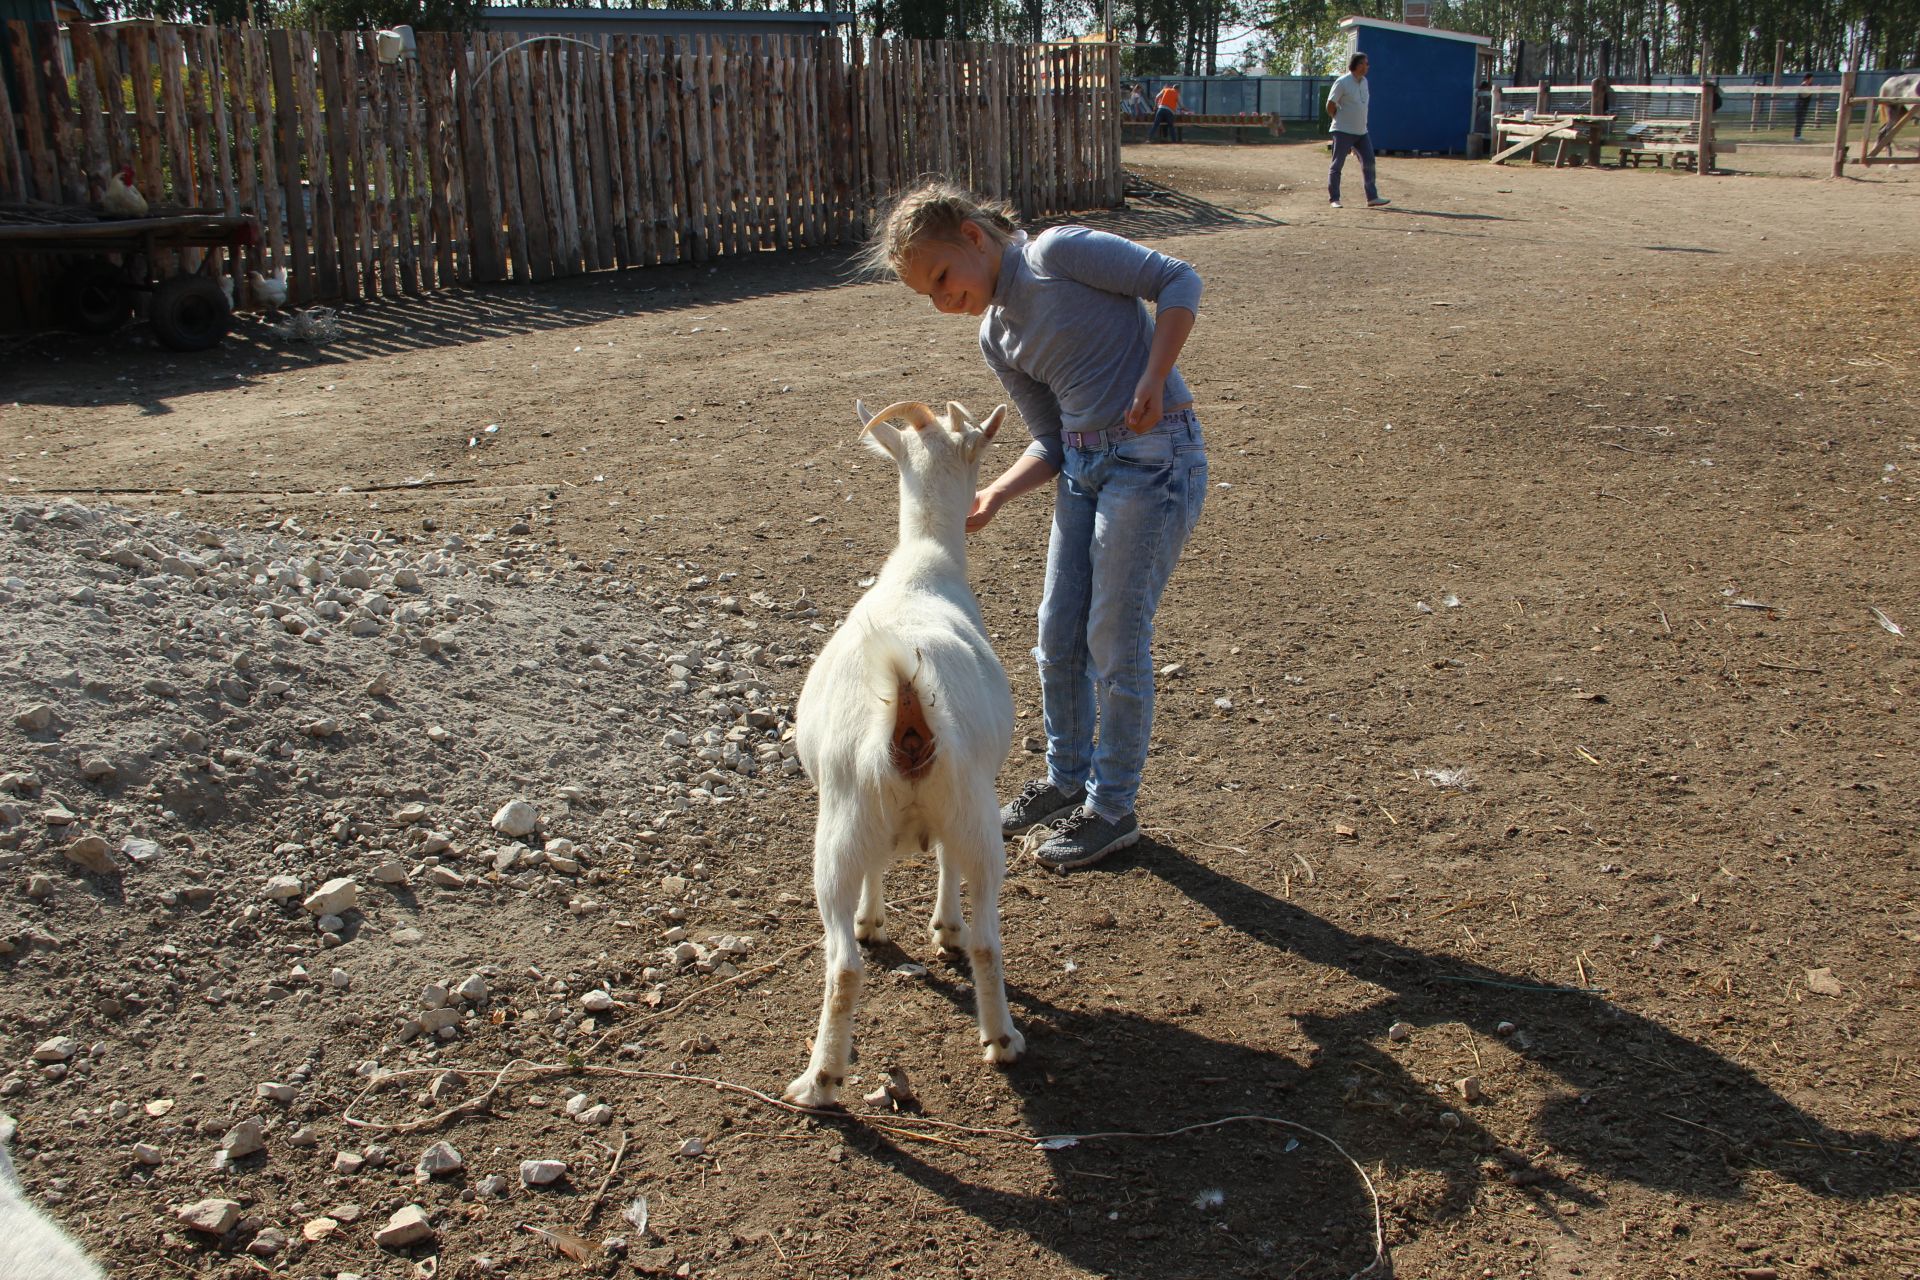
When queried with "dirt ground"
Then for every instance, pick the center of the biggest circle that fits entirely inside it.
(1534, 725)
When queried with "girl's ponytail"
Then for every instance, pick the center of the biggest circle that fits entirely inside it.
(934, 210)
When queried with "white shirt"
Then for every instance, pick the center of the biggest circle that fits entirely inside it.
(1349, 99)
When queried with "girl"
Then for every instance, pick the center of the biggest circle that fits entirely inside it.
(1064, 327)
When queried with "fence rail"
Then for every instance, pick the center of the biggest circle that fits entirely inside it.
(492, 159)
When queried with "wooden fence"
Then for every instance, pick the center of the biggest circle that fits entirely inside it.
(492, 159)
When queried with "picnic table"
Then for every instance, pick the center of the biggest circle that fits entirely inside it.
(1656, 140)
(1514, 134)
(1267, 123)
(119, 257)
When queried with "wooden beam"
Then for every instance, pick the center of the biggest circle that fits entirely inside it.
(1840, 125)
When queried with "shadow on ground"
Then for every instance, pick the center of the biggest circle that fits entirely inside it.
(128, 368)
(1258, 1199)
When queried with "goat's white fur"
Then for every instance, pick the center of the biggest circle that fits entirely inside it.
(916, 634)
(32, 1245)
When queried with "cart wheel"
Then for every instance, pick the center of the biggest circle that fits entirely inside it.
(190, 313)
(94, 299)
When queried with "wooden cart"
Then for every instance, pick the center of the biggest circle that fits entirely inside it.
(117, 258)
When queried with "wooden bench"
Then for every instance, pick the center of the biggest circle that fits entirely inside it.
(1268, 123)
(1656, 140)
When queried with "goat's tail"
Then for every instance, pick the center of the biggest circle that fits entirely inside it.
(910, 744)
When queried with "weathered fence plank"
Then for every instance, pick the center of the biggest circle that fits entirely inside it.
(473, 164)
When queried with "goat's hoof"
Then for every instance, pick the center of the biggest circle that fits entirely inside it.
(870, 930)
(950, 938)
(810, 1091)
(1006, 1050)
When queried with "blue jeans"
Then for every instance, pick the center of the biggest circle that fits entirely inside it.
(1163, 118)
(1356, 142)
(1121, 515)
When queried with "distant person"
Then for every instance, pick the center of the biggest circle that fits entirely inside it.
(1166, 111)
(1136, 106)
(1801, 106)
(1347, 102)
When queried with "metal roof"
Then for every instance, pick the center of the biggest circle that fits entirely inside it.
(1410, 29)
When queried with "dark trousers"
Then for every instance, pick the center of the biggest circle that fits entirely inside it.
(1362, 145)
(1163, 118)
(1800, 109)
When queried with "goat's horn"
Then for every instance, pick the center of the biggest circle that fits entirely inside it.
(912, 410)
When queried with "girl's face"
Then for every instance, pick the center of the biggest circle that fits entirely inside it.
(958, 276)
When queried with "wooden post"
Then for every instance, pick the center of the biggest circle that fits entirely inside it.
(1703, 165)
(1840, 125)
(1597, 105)
(1542, 105)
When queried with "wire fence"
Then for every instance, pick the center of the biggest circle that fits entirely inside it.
(1752, 116)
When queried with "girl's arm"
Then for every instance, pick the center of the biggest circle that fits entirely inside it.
(1118, 265)
(1171, 325)
(1024, 476)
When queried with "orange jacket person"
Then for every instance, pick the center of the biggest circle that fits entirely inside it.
(1166, 103)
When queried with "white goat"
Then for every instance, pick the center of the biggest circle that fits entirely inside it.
(903, 724)
(32, 1245)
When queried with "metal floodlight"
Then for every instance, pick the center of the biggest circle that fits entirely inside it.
(396, 43)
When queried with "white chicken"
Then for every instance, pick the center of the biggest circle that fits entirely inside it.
(268, 291)
(123, 199)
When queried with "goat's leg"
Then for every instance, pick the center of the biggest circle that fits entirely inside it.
(977, 853)
(948, 927)
(870, 923)
(839, 870)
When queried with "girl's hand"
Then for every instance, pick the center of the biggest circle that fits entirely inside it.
(1144, 412)
(985, 503)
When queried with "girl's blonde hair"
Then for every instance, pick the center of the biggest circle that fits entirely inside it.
(934, 210)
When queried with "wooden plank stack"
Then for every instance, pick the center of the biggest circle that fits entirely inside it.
(491, 158)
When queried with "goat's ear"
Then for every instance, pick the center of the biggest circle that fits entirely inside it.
(883, 438)
(992, 425)
(980, 435)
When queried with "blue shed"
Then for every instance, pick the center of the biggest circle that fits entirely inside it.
(1422, 82)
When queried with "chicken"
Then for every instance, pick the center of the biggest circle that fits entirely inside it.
(268, 292)
(123, 199)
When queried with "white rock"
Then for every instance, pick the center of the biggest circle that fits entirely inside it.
(410, 814)
(35, 718)
(58, 1049)
(243, 1140)
(474, 988)
(596, 1002)
(446, 878)
(538, 1173)
(433, 996)
(146, 1153)
(340, 979)
(271, 1242)
(407, 1226)
(305, 1136)
(516, 818)
(349, 1162)
(324, 727)
(435, 1160)
(281, 888)
(214, 1217)
(90, 853)
(598, 1114)
(333, 897)
(391, 872)
(433, 1020)
(274, 1091)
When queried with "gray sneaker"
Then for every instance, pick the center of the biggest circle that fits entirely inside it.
(1039, 803)
(1085, 838)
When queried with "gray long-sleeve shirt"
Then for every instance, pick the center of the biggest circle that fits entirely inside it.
(1068, 333)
